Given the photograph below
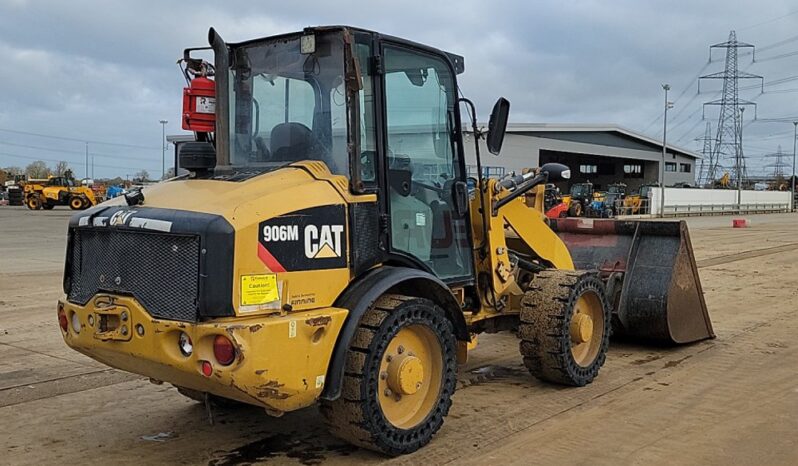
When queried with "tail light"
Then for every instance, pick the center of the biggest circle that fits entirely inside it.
(207, 369)
(223, 350)
(62, 319)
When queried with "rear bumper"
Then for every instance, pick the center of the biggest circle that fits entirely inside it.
(280, 364)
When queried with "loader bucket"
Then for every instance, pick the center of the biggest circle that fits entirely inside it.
(651, 274)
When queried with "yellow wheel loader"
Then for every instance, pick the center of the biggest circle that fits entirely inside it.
(55, 191)
(325, 247)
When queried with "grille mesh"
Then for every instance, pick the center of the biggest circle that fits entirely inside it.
(160, 271)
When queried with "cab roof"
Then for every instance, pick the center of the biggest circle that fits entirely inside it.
(458, 62)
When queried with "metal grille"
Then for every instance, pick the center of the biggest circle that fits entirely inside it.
(365, 227)
(160, 271)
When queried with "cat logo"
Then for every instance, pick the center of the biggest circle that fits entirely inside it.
(323, 242)
(120, 217)
(307, 239)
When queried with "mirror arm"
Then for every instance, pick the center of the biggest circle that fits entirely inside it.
(519, 191)
(481, 186)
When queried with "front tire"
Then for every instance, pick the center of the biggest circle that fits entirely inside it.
(399, 378)
(565, 327)
(575, 210)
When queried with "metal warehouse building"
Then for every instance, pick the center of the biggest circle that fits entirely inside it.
(601, 154)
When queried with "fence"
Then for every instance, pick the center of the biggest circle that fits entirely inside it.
(685, 201)
(488, 171)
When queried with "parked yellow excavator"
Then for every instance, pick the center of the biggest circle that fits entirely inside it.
(325, 247)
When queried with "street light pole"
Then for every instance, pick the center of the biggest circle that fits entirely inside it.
(163, 148)
(668, 105)
(740, 163)
(794, 137)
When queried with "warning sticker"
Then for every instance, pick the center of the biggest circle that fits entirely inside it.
(259, 289)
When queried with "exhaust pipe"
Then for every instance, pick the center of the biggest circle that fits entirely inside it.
(222, 64)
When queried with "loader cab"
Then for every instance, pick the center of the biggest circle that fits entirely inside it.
(379, 110)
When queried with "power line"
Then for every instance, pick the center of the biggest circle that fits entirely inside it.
(77, 152)
(778, 57)
(26, 157)
(676, 101)
(772, 46)
(63, 138)
(772, 20)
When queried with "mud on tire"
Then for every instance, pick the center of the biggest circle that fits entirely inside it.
(357, 416)
(545, 328)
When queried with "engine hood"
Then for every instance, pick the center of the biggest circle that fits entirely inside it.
(288, 226)
(265, 196)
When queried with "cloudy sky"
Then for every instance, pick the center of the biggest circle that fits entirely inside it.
(104, 71)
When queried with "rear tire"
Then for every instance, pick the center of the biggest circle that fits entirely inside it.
(565, 327)
(76, 203)
(400, 375)
(33, 202)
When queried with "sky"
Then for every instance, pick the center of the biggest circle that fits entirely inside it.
(105, 72)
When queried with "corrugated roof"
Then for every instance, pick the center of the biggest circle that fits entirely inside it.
(594, 128)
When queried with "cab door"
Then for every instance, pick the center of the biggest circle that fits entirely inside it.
(425, 179)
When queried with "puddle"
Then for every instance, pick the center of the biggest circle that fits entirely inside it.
(307, 450)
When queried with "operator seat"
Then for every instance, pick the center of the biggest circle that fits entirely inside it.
(291, 142)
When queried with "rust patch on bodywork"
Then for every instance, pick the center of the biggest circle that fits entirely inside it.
(255, 328)
(319, 321)
(271, 389)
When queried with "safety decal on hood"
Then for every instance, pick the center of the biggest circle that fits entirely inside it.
(309, 239)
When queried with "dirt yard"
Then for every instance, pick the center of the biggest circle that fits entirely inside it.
(729, 401)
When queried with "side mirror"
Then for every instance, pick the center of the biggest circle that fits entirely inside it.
(197, 157)
(556, 172)
(498, 125)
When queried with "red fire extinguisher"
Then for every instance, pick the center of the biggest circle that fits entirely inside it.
(199, 100)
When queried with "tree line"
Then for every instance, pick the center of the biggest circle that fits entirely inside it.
(40, 170)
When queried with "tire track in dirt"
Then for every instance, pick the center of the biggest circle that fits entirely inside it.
(750, 254)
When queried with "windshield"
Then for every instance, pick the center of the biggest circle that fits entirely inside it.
(580, 190)
(287, 106)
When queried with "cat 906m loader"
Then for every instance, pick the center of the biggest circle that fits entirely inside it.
(326, 247)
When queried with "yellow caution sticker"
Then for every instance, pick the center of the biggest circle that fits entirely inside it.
(259, 289)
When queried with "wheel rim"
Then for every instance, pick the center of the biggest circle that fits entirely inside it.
(76, 203)
(587, 328)
(33, 203)
(411, 371)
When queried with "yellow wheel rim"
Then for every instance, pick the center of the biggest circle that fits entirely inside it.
(410, 376)
(587, 328)
(76, 203)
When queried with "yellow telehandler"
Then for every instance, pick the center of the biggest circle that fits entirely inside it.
(56, 191)
(326, 248)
